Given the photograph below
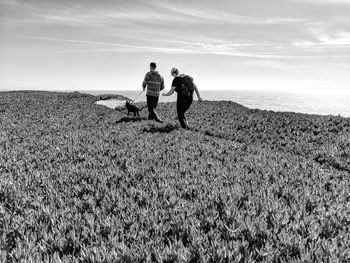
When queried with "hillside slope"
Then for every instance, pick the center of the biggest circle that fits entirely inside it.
(80, 181)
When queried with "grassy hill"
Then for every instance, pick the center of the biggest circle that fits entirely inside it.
(82, 182)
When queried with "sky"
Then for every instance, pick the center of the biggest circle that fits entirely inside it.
(287, 45)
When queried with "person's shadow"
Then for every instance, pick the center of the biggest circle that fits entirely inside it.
(130, 119)
(161, 129)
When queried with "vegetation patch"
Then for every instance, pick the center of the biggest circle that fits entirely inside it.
(80, 182)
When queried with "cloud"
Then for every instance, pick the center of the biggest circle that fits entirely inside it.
(339, 39)
(160, 16)
(9, 2)
(224, 17)
(67, 20)
(322, 38)
(150, 13)
(165, 27)
(325, 2)
(198, 48)
(124, 46)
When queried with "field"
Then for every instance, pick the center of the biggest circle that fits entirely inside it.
(80, 182)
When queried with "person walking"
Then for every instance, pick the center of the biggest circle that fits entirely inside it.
(184, 86)
(154, 83)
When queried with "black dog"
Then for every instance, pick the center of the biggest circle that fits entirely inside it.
(132, 108)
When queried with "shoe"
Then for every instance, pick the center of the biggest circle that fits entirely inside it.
(158, 120)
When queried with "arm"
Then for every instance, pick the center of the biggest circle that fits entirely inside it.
(144, 83)
(162, 84)
(171, 91)
(197, 92)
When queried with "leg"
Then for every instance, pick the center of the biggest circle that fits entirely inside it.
(155, 104)
(181, 108)
(152, 103)
(183, 104)
(182, 119)
(150, 107)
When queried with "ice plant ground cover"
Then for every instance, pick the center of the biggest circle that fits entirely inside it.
(80, 182)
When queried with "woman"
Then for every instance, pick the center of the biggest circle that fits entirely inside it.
(184, 94)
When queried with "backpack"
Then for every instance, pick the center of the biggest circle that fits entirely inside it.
(187, 86)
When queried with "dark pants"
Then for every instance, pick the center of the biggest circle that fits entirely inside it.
(152, 103)
(183, 103)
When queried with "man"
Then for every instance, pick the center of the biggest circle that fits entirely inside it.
(154, 83)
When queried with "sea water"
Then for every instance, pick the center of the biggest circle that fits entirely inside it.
(323, 103)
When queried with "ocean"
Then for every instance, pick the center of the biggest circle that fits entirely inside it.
(323, 103)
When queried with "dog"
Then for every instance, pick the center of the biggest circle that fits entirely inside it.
(132, 108)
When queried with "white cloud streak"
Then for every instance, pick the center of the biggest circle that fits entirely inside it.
(201, 48)
(222, 17)
(161, 13)
(325, 2)
(338, 39)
